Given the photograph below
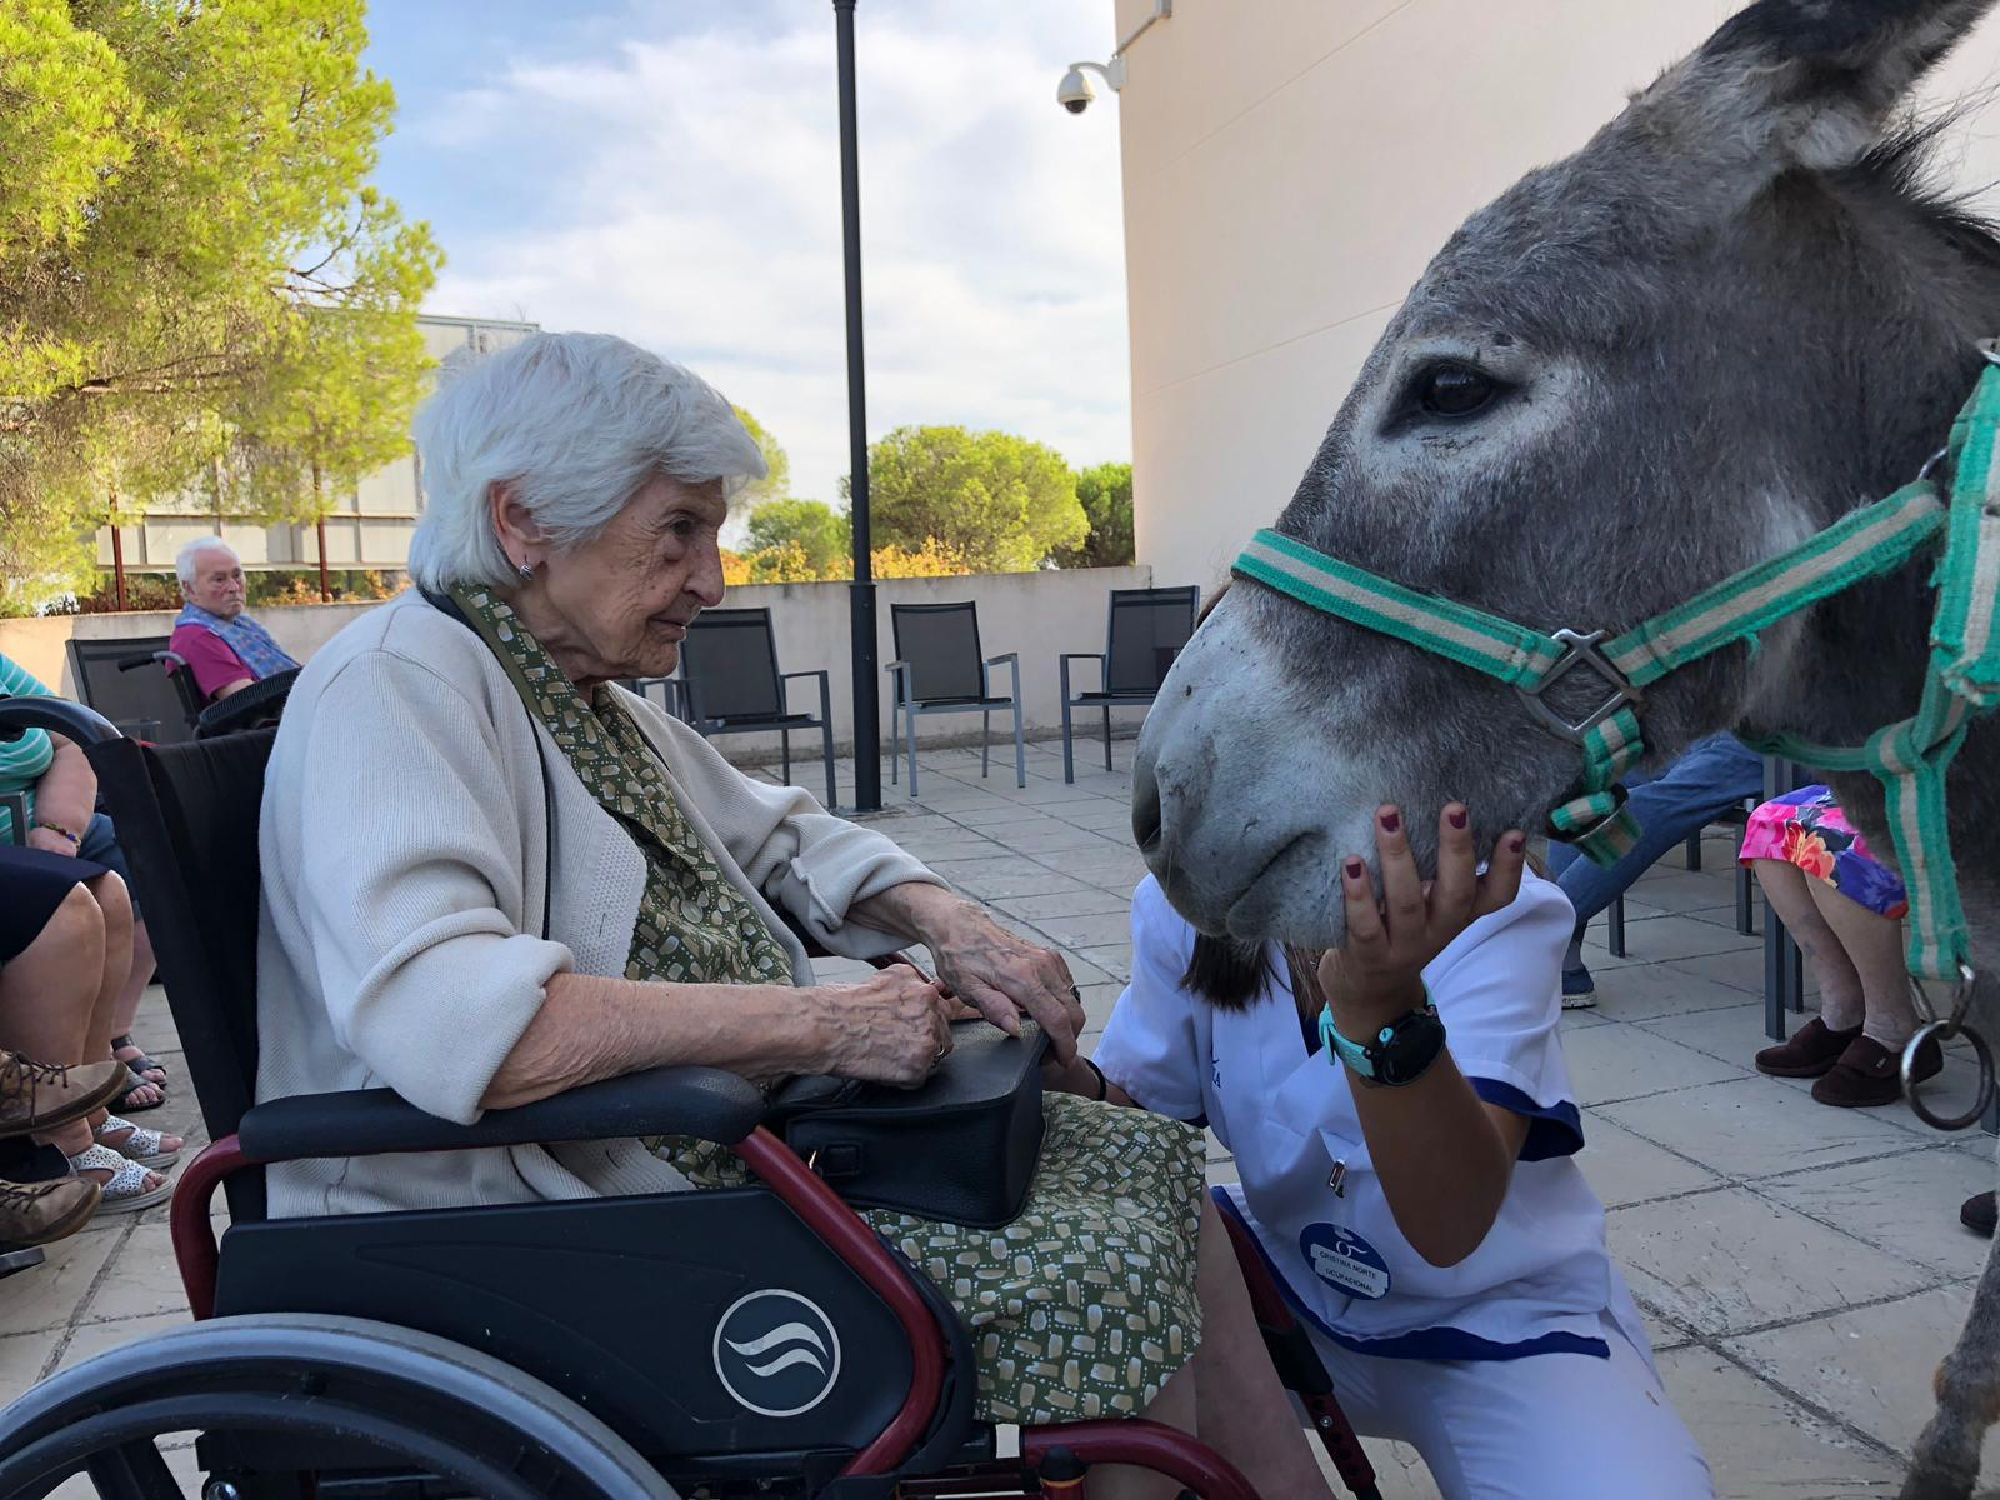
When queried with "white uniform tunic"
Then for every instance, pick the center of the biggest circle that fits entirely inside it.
(1540, 1284)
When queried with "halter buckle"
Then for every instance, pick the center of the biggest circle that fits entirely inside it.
(1580, 649)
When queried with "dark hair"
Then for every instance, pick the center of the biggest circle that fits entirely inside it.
(1230, 974)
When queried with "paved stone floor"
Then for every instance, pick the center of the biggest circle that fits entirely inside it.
(1802, 1269)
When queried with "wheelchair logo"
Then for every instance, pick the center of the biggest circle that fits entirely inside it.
(777, 1353)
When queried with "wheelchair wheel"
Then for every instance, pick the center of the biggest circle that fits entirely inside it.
(387, 1400)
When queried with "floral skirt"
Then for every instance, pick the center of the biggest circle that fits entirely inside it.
(1807, 828)
(1085, 1305)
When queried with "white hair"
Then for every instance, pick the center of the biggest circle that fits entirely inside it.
(577, 423)
(184, 568)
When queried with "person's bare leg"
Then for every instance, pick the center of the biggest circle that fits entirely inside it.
(1242, 1410)
(115, 904)
(1788, 889)
(1873, 947)
(1228, 1395)
(125, 1014)
(1175, 1407)
(48, 990)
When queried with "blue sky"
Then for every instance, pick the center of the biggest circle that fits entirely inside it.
(668, 171)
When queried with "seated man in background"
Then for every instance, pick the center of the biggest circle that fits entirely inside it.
(224, 648)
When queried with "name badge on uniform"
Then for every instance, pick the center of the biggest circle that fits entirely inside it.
(1344, 1260)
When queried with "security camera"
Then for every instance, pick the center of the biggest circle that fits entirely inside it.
(1074, 93)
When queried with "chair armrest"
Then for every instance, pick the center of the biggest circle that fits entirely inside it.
(994, 661)
(703, 1102)
(1063, 661)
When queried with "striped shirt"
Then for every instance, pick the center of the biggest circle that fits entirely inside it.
(22, 761)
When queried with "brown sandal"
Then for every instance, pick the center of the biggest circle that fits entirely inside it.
(1868, 1074)
(1813, 1050)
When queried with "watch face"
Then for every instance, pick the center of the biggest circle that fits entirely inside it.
(1409, 1052)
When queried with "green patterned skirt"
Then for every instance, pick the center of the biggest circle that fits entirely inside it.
(1085, 1305)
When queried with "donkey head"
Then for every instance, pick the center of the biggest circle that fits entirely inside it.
(1728, 319)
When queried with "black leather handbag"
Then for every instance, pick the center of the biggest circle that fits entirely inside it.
(961, 1147)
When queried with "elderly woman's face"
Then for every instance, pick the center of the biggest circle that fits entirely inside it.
(620, 605)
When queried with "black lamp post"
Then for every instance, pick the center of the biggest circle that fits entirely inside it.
(861, 593)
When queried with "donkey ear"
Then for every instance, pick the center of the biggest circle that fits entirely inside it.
(1796, 83)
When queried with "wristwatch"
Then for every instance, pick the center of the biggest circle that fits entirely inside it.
(1401, 1052)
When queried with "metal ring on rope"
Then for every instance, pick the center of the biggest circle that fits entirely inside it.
(1945, 1031)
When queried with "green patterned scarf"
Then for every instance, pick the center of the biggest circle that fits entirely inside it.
(695, 926)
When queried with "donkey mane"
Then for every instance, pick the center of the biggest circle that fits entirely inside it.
(1901, 166)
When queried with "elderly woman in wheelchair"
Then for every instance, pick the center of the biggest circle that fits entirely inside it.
(492, 878)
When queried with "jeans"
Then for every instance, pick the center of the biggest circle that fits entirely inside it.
(1715, 775)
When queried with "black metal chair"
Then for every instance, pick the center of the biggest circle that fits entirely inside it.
(139, 685)
(597, 1347)
(1145, 632)
(939, 670)
(730, 684)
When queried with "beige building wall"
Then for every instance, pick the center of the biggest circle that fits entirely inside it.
(1290, 166)
(368, 527)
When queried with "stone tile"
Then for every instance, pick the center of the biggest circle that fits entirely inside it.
(985, 813)
(1672, 937)
(1643, 992)
(1728, 1261)
(141, 1279)
(1763, 1445)
(1113, 960)
(1047, 836)
(1088, 902)
(1098, 1002)
(1741, 968)
(1399, 1471)
(1622, 1168)
(1662, 1332)
(1907, 1205)
(1672, 890)
(49, 1295)
(1748, 1128)
(22, 1356)
(1620, 1061)
(92, 1339)
(1004, 876)
(1733, 1033)
(1870, 1366)
(1086, 932)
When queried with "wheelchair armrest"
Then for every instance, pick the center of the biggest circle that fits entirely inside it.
(703, 1102)
(994, 661)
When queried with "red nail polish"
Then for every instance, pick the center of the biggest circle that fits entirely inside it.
(1456, 817)
(1517, 843)
(1391, 821)
(1354, 869)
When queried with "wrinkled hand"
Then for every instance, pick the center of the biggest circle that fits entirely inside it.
(1003, 976)
(1390, 940)
(892, 1027)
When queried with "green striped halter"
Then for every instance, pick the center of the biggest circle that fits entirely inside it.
(1910, 757)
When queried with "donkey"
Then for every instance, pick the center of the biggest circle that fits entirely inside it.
(1735, 315)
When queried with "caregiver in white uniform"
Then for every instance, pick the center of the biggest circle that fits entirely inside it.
(1408, 1173)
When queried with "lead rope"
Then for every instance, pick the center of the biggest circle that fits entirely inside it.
(1910, 758)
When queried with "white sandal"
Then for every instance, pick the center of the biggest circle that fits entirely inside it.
(146, 1147)
(126, 1192)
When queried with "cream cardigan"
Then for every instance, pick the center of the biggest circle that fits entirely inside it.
(408, 873)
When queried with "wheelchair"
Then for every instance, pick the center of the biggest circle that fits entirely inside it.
(755, 1341)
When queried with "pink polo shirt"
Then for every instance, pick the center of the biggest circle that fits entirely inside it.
(210, 658)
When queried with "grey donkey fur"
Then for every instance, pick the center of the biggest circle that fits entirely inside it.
(1732, 317)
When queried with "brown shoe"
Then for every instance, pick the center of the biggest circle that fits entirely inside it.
(41, 1096)
(1812, 1051)
(36, 1213)
(1868, 1073)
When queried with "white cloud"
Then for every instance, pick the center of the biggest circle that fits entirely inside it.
(683, 190)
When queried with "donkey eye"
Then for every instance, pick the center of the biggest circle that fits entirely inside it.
(1453, 390)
